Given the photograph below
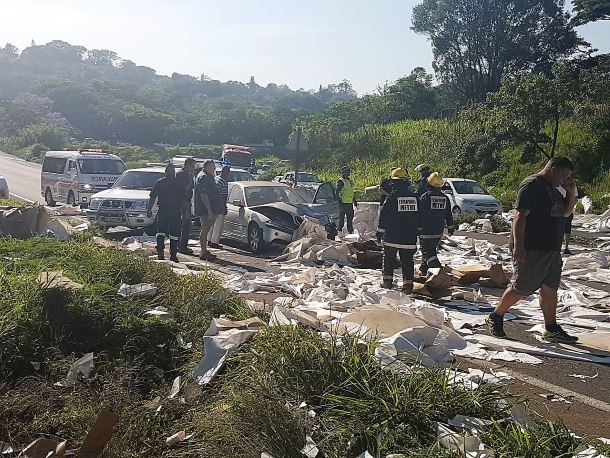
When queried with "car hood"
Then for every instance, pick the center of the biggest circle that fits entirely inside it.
(294, 210)
(479, 198)
(123, 194)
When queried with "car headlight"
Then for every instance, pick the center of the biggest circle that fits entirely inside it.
(140, 205)
(94, 204)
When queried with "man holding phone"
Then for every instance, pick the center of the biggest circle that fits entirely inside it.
(536, 240)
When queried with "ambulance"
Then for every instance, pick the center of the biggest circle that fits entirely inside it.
(73, 176)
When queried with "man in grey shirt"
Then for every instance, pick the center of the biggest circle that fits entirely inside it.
(536, 239)
(207, 204)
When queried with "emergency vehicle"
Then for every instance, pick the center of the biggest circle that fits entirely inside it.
(73, 176)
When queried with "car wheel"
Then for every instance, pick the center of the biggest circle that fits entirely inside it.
(255, 238)
(456, 210)
(48, 198)
(71, 199)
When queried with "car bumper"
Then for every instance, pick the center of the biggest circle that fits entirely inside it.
(130, 219)
(482, 210)
(276, 234)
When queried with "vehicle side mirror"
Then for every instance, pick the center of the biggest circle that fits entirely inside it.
(237, 203)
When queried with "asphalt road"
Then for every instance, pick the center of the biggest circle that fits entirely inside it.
(23, 177)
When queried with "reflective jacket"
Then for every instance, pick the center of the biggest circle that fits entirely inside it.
(399, 217)
(345, 190)
(435, 212)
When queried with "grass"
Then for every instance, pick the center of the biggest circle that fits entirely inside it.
(4, 202)
(254, 406)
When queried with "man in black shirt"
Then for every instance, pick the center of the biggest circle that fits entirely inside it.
(170, 194)
(536, 239)
(186, 177)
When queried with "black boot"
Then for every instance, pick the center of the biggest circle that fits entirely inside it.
(173, 250)
(160, 248)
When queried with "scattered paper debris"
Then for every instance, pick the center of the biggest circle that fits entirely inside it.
(310, 450)
(584, 377)
(159, 312)
(82, 366)
(49, 280)
(139, 290)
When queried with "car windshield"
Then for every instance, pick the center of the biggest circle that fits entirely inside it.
(270, 194)
(238, 159)
(240, 175)
(469, 187)
(308, 178)
(108, 166)
(133, 179)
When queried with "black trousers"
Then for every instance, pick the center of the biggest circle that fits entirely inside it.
(389, 262)
(169, 224)
(429, 257)
(346, 212)
(185, 233)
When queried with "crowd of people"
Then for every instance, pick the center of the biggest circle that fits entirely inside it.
(544, 206)
(175, 195)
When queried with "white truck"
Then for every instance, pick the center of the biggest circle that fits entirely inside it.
(73, 176)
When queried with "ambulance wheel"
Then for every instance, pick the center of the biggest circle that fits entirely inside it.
(48, 198)
(71, 199)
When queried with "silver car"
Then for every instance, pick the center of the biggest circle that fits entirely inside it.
(262, 212)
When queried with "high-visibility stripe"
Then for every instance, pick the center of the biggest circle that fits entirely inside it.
(433, 258)
(171, 237)
(397, 245)
(388, 277)
(430, 237)
(161, 234)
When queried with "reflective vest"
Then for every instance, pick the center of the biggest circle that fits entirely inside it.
(347, 191)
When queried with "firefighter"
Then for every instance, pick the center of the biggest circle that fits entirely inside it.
(435, 213)
(347, 201)
(385, 188)
(424, 171)
(400, 219)
(170, 194)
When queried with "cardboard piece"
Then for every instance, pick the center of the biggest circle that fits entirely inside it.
(444, 294)
(82, 366)
(595, 343)
(51, 280)
(383, 321)
(42, 448)
(496, 277)
(469, 273)
(98, 436)
(438, 279)
(22, 223)
(222, 324)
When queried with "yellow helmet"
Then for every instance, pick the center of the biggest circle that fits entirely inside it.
(398, 174)
(436, 180)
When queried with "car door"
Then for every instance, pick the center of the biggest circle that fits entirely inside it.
(450, 192)
(327, 199)
(235, 212)
(63, 180)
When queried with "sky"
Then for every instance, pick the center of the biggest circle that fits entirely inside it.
(299, 43)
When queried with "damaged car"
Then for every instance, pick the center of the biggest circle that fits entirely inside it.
(260, 213)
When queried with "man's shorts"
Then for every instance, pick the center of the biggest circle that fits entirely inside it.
(539, 268)
(568, 224)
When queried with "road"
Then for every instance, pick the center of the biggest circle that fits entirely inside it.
(23, 177)
(582, 415)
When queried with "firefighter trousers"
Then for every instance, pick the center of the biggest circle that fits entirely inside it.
(389, 262)
(429, 258)
(169, 224)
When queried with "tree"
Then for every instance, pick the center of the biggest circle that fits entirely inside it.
(529, 108)
(590, 11)
(476, 43)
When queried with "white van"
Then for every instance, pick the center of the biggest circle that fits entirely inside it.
(73, 176)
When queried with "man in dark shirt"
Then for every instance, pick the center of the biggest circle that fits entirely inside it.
(222, 181)
(536, 239)
(170, 194)
(208, 204)
(186, 178)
